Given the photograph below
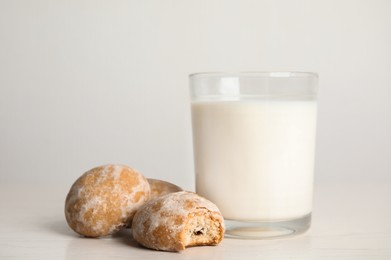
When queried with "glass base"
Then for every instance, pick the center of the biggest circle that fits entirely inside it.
(266, 229)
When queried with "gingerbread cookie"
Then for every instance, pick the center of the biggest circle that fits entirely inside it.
(104, 200)
(178, 220)
(159, 188)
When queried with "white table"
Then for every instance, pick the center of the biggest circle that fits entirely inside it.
(350, 221)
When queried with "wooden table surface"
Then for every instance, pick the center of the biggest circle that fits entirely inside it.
(350, 221)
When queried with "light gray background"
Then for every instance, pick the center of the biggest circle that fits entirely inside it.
(84, 83)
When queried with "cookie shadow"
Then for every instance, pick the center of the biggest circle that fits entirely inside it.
(59, 227)
(125, 237)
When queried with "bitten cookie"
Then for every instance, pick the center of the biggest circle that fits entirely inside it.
(159, 188)
(104, 200)
(178, 220)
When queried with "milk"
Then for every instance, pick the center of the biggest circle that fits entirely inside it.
(255, 158)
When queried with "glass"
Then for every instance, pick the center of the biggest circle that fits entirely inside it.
(254, 148)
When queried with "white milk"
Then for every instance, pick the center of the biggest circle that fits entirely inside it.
(255, 159)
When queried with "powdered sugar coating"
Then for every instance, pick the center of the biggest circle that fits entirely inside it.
(161, 223)
(105, 199)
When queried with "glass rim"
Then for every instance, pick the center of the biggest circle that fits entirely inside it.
(259, 74)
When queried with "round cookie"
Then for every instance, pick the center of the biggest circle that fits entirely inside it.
(159, 188)
(177, 220)
(104, 200)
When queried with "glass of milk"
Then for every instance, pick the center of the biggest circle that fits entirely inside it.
(254, 148)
